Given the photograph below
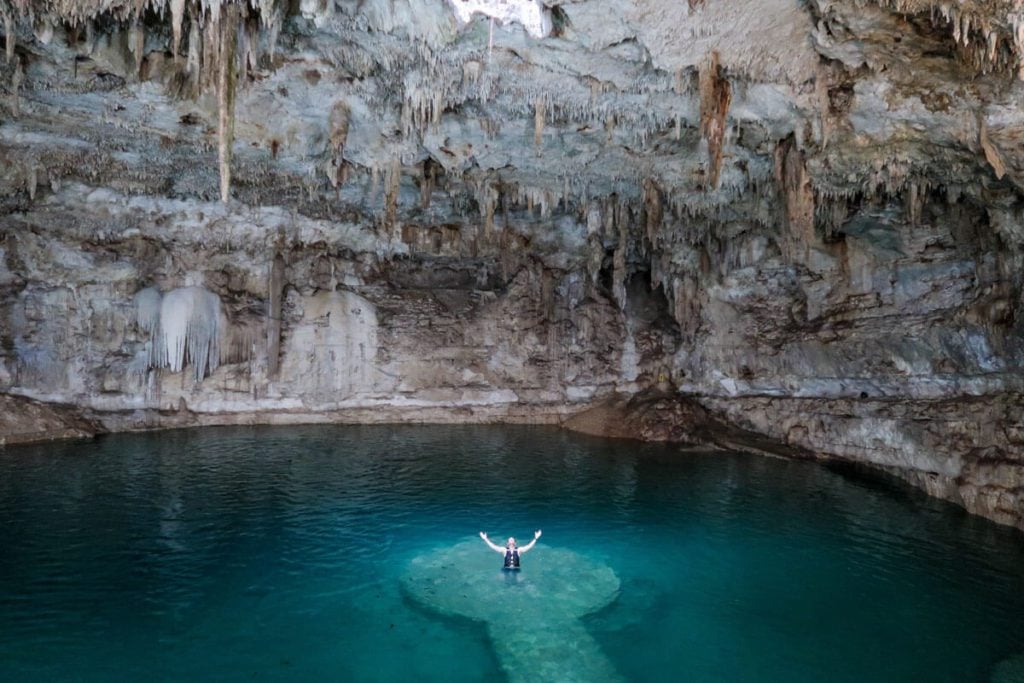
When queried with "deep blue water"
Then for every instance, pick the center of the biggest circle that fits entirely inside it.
(278, 554)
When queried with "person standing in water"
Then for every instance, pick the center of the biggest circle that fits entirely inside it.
(511, 551)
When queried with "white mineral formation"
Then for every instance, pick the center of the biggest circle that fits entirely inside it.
(532, 14)
(186, 327)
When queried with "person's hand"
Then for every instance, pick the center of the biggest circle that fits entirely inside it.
(536, 534)
(483, 535)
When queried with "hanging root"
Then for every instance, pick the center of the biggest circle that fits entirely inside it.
(393, 180)
(715, 97)
(798, 199)
(226, 83)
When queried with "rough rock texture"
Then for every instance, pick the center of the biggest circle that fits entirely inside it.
(658, 415)
(982, 440)
(24, 421)
(806, 217)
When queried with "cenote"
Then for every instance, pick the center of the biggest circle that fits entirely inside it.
(325, 553)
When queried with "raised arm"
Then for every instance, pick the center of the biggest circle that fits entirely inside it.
(536, 535)
(493, 546)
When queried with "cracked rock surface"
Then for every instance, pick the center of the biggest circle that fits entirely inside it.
(804, 217)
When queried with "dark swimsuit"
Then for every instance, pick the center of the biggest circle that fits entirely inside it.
(511, 558)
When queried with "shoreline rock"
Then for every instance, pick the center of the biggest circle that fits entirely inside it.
(982, 472)
(967, 451)
(25, 421)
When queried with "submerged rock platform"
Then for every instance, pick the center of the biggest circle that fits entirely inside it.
(532, 614)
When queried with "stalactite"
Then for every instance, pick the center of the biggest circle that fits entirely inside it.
(715, 98)
(250, 34)
(185, 325)
(619, 263)
(824, 102)
(830, 214)
(9, 37)
(194, 62)
(608, 218)
(226, 84)
(686, 306)
(90, 37)
(177, 19)
(426, 183)
(471, 71)
(190, 331)
(539, 107)
(992, 155)
(238, 343)
(394, 177)
(423, 102)
(274, 299)
(653, 212)
(43, 29)
(505, 240)
(1017, 24)
(916, 196)
(32, 182)
(210, 45)
(147, 309)
(371, 194)
(337, 124)
(243, 47)
(137, 44)
(595, 243)
(488, 200)
(16, 79)
(798, 199)
(147, 316)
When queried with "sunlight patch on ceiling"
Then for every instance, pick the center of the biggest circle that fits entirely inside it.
(530, 13)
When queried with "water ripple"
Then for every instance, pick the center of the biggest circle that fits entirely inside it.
(276, 553)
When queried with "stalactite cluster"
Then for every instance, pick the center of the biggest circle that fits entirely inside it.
(425, 211)
(989, 35)
(185, 326)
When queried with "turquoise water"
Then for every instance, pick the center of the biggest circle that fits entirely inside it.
(292, 554)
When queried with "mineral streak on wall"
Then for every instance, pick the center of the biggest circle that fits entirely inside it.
(798, 220)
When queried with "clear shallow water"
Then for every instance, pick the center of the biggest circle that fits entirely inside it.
(279, 554)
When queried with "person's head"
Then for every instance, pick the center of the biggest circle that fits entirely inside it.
(511, 543)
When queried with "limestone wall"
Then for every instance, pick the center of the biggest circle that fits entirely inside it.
(805, 217)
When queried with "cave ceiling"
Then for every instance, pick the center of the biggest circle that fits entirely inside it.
(407, 111)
